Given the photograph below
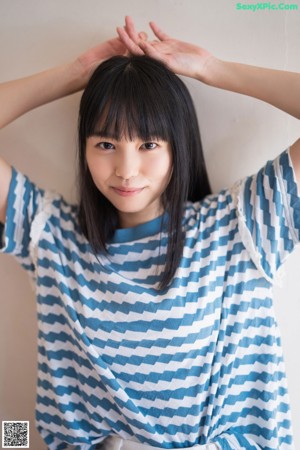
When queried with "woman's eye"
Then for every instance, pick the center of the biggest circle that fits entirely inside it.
(149, 145)
(105, 145)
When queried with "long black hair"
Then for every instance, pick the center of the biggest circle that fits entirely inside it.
(138, 96)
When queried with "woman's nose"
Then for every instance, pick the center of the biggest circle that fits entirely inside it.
(127, 166)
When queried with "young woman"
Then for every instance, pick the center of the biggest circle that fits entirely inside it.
(156, 324)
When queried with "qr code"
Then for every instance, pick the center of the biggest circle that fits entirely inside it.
(15, 434)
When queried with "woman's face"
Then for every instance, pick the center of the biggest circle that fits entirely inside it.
(132, 175)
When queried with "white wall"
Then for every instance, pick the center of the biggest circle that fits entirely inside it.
(239, 134)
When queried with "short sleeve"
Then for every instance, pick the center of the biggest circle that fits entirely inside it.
(268, 210)
(25, 201)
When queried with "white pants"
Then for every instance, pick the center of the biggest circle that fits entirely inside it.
(116, 443)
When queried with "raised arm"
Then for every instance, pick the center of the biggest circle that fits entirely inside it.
(276, 87)
(20, 96)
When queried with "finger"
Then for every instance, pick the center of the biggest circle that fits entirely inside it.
(130, 28)
(158, 32)
(143, 36)
(149, 50)
(128, 42)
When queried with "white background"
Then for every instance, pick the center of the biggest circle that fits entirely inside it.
(239, 134)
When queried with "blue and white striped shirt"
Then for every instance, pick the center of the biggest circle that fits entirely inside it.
(199, 362)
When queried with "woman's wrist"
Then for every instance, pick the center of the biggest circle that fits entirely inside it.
(231, 76)
(213, 72)
(78, 74)
(83, 67)
(72, 77)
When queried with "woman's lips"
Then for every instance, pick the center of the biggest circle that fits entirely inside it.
(127, 192)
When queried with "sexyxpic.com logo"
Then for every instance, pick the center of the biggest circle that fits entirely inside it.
(266, 6)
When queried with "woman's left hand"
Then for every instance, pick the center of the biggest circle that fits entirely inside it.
(89, 60)
(180, 57)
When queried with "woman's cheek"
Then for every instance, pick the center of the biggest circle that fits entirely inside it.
(101, 168)
(159, 165)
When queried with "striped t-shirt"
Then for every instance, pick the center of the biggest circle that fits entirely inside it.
(198, 362)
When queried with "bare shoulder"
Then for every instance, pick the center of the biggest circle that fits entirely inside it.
(5, 177)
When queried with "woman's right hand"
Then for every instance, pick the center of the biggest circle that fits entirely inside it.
(89, 60)
(19, 96)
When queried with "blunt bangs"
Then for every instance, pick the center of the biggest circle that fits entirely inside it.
(129, 101)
